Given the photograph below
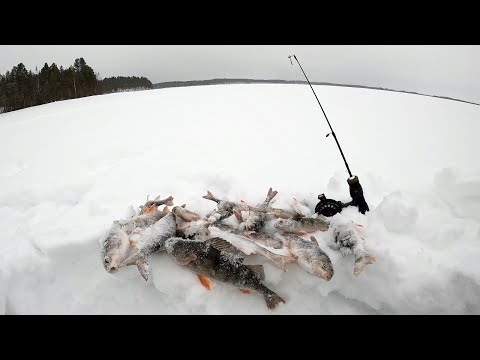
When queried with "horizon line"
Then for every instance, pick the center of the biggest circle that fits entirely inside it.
(220, 81)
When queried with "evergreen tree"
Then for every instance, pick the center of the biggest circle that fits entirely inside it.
(20, 88)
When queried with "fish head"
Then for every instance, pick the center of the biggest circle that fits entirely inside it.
(180, 250)
(112, 263)
(112, 249)
(323, 268)
(283, 224)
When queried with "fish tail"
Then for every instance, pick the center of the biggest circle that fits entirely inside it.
(361, 262)
(272, 299)
(169, 201)
(238, 215)
(271, 194)
(210, 196)
(280, 261)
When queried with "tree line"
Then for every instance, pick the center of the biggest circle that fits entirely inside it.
(21, 88)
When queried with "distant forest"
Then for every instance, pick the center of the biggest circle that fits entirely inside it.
(21, 88)
(169, 84)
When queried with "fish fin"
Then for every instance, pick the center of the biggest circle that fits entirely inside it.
(184, 205)
(357, 225)
(245, 291)
(169, 201)
(223, 245)
(206, 282)
(149, 209)
(361, 262)
(302, 233)
(281, 261)
(271, 194)
(258, 270)
(272, 300)
(209, 196)
(142, 265)
(165, 209)
(157, 198)
(132, 260)
(186, 260)
(238, 215)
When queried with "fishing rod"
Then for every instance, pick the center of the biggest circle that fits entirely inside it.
(330, 207)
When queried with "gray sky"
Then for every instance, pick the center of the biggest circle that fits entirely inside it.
(446, 70)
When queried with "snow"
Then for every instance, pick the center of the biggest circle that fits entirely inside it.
(69, 169)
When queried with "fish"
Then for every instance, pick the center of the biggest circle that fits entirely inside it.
(302, 226)
(310, 257)
(118, 245)
(194, 229)
(248, 246)
(216, 259)
(345, 237)
(115, 247)
(264, 239)
(300, 208)
(224, 208)
(255, 221)
(258, 217)
(281, 213)
(185, 214)
(154, 204)
(151, 240)
(148, 216)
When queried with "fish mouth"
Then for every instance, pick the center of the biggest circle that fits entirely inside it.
(112, 269)
(327, 277)
(324, 274)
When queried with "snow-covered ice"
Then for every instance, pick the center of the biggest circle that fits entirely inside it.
(68, 169)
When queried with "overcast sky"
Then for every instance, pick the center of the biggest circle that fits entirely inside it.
(450, 70)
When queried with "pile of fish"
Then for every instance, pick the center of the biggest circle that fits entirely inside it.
(215, 249)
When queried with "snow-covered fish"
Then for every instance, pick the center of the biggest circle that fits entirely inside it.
(185, 214)
(248, 246)
(345, 237)
(217, 259)
(224, 208)
(152, 205)
(300, 208)
(115, 248)
(264, 239)
(117, 245)
(151, 240)
(310, 257)
(149, 215)
(258, 217)
(281, 213)
(302, 226)
(194, 229)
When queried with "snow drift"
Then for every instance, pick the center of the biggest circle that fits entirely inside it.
(68, 169)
